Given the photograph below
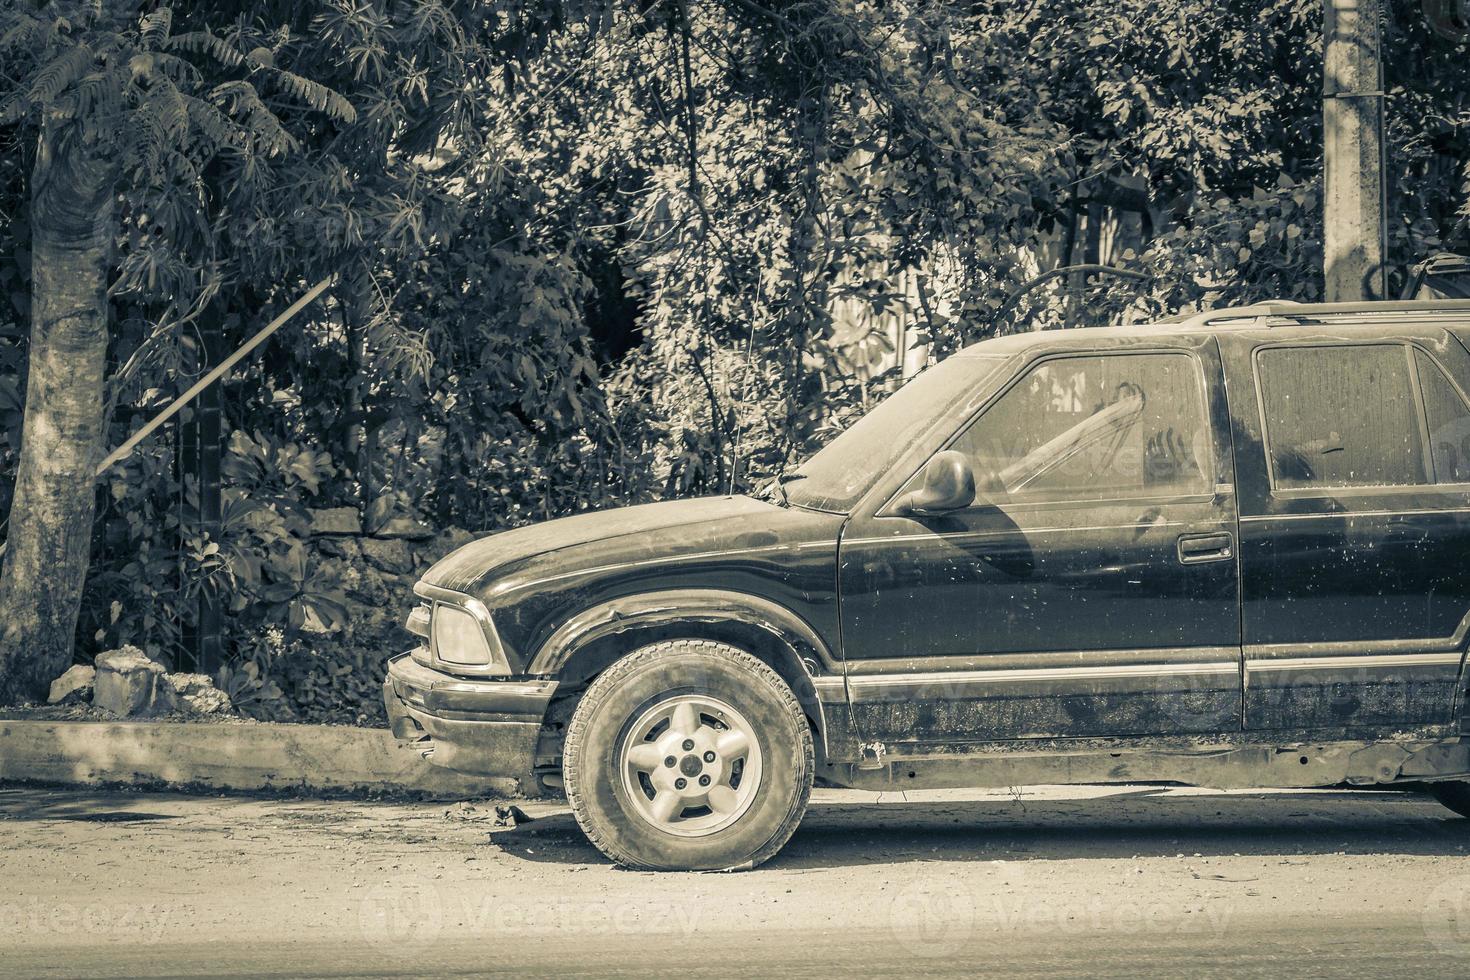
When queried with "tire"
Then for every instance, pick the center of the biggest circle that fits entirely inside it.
(1454, 794)
(742, 753)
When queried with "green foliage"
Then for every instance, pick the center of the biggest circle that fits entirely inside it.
(140, 596)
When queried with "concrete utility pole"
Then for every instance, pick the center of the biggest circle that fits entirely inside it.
(1355, 202)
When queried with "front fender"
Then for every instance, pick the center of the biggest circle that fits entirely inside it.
(818, 683)
(683, 605)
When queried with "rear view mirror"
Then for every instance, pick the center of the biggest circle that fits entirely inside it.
(948, 484)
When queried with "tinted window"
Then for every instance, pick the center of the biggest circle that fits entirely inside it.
(1449, 422)
(1095, 427)
(1341, 417)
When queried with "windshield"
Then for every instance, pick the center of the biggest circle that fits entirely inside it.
(848, 466)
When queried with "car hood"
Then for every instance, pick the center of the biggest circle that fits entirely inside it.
(493, 567)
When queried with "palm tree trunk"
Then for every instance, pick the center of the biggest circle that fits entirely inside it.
(48, 545)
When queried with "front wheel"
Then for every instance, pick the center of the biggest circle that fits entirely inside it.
(1454, 793)
(688, 755)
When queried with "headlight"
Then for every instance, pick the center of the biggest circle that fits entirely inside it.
(459, 638)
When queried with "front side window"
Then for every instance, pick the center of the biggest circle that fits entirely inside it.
(1095, 427)
(1341, 416)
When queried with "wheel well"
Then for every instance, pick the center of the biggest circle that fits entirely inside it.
(602, 653)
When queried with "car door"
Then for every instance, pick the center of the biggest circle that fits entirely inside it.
(1355, 526)
(1090, 590)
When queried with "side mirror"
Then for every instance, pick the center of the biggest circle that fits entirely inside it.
(949, 484)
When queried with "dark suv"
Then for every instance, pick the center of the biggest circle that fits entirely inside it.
(1229, 550)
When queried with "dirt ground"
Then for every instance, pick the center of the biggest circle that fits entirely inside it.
(1113, 882)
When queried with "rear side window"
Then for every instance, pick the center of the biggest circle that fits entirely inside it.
(1449, 422)
(1341, 417)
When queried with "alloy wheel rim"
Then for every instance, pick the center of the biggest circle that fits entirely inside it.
(691, 765)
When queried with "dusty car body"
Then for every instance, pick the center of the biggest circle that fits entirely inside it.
(1226, 550)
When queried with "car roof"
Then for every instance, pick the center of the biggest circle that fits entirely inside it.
(1273, 314)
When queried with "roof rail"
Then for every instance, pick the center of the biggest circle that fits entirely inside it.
(1316, 312)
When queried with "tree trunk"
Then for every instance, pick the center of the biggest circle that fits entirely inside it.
(50, 530)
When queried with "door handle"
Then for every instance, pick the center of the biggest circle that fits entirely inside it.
(1195, 548)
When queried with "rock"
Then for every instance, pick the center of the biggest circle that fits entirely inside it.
(74, 685)
(336, 520)
(128, 684)
(510, 816)
(393, 555)
(343, 547)
(404, 527)
(197, 694)
(313, 623)
(463, 811)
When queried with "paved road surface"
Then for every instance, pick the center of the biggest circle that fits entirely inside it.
(1108, 882)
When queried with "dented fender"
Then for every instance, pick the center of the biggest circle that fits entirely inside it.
(808, 651)
(682, 605)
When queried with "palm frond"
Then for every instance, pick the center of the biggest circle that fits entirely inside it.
(176, 69)
(100, 98)
(29, 32)
(205, 42)
(156, 26)
(210, 124)
(165, 104)
(61, 72)
(241, 100)
(13, 109)
(145, 147)
(318, 96)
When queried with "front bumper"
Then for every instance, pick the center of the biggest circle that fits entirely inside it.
(480, 727)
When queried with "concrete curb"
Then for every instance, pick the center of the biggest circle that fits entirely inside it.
(330, 759)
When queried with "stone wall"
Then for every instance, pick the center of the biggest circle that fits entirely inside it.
(379, 568)
(376, 571)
